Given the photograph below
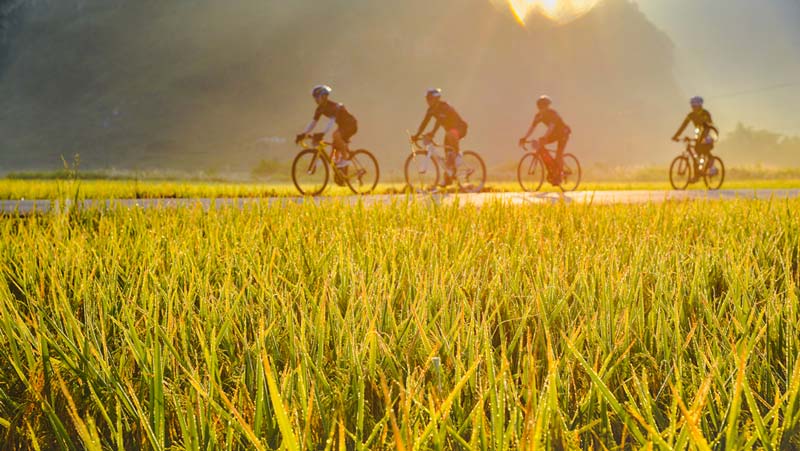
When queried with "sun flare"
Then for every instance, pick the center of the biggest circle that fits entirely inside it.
(559, 11)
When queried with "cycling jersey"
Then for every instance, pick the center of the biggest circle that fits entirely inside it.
(446, 116)
(335, 110)
(551, 118)
(701, 119)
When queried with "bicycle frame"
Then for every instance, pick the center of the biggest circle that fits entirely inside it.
(321, 147)
(429, 146)
(548, 156)
(691, 152)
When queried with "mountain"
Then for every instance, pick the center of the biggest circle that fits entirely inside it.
(743, 55)
(191, 84)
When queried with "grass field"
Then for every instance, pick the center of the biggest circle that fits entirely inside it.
(131, 189)
(403, 327)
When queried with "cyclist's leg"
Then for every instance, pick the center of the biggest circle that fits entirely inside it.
(562, 146)
(339, 146)
(703, 151)
(452, 146)
(548, 160)
(341, 140)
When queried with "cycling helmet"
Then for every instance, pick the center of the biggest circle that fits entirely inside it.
(433, 93)
(544, 100)
(321, 90)
(696, 101)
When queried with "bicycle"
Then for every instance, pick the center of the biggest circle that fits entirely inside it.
(311, 169)
(537, 164)
(422, 168)
(690, 166)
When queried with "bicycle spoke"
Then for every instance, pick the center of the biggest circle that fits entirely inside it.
(532, 178)
(363, 172)
(421, 172)
(470, 172)
(309, 172)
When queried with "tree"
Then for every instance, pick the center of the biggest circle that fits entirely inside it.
(747, 144)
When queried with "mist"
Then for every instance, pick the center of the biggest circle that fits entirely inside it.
(744, 56)
(190, 84)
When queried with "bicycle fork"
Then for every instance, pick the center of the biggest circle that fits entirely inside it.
(312, 167)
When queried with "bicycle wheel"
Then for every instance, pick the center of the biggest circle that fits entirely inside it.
(363, 172)
(531, 172)
(470, 172)
(570, 173)
(680, 173)
(310, 172)
(714, 182)
(422, 172)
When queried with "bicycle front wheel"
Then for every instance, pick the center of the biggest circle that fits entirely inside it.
(363, 172)
(570, 173)
(680, 173)
(422, 172)
(531, 172)
(470, 172)
(714, 181)
(310, 172)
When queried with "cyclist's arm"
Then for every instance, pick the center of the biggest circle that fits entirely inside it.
(532, 128)
(330, 126)
(681, 129)
(310, 127)
(424, 124)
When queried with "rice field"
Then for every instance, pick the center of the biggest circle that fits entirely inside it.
(403, 326)
(13, 189)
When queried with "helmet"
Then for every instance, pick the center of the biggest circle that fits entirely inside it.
(321, 90)
(696, 101)
(433, 93)
(544, 101)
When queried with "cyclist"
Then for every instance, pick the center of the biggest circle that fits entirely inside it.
(455, 129)
(701, 119)
(557, 132)
(346, 123)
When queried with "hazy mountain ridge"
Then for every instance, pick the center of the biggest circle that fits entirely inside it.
(197, 84)
(735, 52)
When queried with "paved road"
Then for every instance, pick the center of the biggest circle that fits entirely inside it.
(25, 207)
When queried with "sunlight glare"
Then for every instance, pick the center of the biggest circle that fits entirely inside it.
(558, 11)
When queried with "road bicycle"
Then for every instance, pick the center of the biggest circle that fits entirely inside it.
(427, 163)
(312, 167)
(539, 163)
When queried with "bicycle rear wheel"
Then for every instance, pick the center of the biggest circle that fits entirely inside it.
(570, 173)
(531, 172)
(310, 172)
(714, 182)
(363, 173)
(470, 172)
(422, 172)
(680, 173)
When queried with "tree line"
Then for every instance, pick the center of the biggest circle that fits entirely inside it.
(747, 143)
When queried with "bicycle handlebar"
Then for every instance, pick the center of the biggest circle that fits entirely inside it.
(429, 141)
(316, 139)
